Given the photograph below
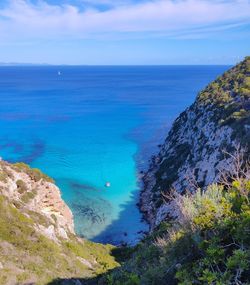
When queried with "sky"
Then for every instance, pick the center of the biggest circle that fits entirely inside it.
(124, 32)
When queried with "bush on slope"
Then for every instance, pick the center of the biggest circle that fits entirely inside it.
(208, 243)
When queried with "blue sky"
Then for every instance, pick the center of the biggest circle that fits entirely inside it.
(124, 31)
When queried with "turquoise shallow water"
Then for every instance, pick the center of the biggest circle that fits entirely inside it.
(91, 125)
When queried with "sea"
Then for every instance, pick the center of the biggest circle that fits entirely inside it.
(90, 126)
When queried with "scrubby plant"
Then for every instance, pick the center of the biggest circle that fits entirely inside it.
(34, 173)
(227, 96)
(27, 196)
(215, 219)
(207, 243)
(21, 186)
(3, 176)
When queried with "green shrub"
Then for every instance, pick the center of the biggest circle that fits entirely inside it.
(34, 173)
(26, 197)
(3, 176)
(21, 186)
(209, 242)
(223, 244)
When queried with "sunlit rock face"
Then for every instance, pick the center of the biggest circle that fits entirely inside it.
(197, 145)
(34, 191)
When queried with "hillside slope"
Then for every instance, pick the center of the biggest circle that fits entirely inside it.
(197, 195)
(195, 148)
(207, 244)
(37, 239)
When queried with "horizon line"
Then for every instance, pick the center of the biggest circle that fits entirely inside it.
(16, 64)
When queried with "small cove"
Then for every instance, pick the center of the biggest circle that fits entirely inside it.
(91, 125)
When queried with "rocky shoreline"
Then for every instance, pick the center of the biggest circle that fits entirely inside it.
(145, 204)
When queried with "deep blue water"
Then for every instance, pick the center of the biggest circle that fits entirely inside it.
(90, 125)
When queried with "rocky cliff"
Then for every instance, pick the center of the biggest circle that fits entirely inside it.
(35, 192)
(195, 150)
(200, 229)
(37, 239)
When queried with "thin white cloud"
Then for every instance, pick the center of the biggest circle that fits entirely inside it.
(22, 20)
(110, 3)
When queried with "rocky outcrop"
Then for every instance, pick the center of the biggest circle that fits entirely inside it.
(196, 146)
(34, 192)
(37, 240)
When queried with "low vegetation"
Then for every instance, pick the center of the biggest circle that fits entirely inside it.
(208, 243)
(29, 257)
(229, 98)
(34, 173)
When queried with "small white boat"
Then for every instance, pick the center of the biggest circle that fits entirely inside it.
(59, 73)
(107, 184)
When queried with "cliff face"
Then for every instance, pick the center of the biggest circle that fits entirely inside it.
(37, 239)
(35, 192)
(200, 233)
(195, 148)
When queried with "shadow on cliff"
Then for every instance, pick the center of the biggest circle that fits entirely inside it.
(121, 255)
(80, 281)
